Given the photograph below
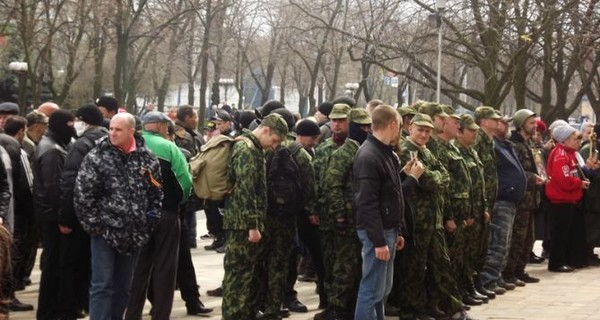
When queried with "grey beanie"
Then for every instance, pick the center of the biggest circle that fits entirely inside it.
(562, 133)
(556, 124)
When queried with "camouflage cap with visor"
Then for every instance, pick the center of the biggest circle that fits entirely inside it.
(485, 112)
(339, 111)
(432, 109)
(422, 120)
(450, 111)
(276, 123)
(467, 122)
(359, 116)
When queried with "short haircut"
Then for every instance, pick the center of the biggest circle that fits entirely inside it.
(36, 117)
(127, 117)
(184, 112)
(14, 124)
(374, 103)
(382, 116)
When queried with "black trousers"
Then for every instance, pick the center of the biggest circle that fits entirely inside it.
(25, 243)
(156, 267)
(568, 244)
(49, 294)
(75, 272)
(214, 219)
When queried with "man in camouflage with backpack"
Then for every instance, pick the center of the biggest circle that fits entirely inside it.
(245, 218)
(346, 269)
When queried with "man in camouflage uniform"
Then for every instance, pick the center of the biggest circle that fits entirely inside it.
(245, 218)
(467, 135)
(487, 120)
(407, 113)
(458, 217)
(429, 253)
(117, 201)
(523, 234)
(346, 270)
(438, 117)
(339, 127)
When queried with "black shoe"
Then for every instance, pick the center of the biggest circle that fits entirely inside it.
(485, 292)
(525, 277)
(507, 286)
(27, 281)
(465, 307)
(221, 249)
(564, 268)
(218, 292)
(215, 245)
(197, 308)
(207, 236)
(284, 312)
(495, 289)
(479, 296)
(296, 306)
(323, 315)
(545, 254)
(514, 280)
(534, 259)
(193, 245)
(435, 313)
(17, 306)
(470, 301)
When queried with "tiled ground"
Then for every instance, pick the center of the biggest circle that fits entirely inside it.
(556, 297)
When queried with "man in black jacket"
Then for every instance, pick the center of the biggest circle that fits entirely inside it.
(379, 209)
(48, 162)
(75, 242)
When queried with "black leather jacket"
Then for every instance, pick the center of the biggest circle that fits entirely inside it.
(48, 162)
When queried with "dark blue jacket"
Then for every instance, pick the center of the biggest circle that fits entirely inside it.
(512, 181)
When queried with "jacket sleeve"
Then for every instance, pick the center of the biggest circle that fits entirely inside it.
(154, 194)
(87, 193)
(560, 173)
(181, 170)
(307, 171)
(51, 164)
(244, 164)
(366, 184)
(4, 192)
(66, 213)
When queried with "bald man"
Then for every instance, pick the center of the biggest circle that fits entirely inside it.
(48, 108)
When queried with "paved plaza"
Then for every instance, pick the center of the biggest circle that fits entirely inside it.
(556, 297)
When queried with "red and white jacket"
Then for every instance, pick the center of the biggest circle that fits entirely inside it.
(564, 185)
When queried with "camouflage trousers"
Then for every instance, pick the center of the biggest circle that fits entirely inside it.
(460, 249)
(240, 282)
(523, 238)
(428, 256)
(328, 250)
(480, 237)
(5, 271)
(272, 274)
(346, 271)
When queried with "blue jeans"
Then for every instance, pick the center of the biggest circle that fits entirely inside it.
(377, 277)
(111, 281)
(501, 226)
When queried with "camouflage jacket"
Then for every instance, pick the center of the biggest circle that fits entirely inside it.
(485, 149)
(338, 182)
(523, 149)
(428, 197)
(322, 154)
(116, 197)
(458, 206)
(477, 186)
(246, 207)
(433, 145)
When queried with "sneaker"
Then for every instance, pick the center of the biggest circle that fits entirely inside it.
(218, 292)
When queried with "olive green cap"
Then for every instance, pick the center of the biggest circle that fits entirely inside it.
(406, 110)
(503, 118)
(485, 112)
(359, 116)
(339, 111)
(432, 109)
(467, 122)
(422, 120)
(275, 122)
(450, 111)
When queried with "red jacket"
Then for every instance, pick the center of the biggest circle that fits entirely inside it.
(564, 185)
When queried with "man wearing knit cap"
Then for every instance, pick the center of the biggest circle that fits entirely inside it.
(307, 134)
(109, 106)
(345, 248)
(322, 116)
(7, 109)
(339, 127)
(487, 120)
(48, 163)
(75, 262)
(523, 236)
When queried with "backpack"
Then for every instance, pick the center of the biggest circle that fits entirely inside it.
(283, 181)
(209, 167)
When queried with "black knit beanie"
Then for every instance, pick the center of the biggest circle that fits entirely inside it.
(90, 114)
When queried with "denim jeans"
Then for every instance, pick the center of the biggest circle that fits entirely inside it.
(377, 277)
(501, 226)
(111, 281)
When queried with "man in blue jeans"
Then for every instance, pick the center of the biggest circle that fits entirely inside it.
(379, 209)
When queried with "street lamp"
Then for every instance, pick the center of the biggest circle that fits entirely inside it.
(437, 19)
(20, 69)
(351, 88)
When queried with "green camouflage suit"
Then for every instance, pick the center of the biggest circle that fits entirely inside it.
(457, 208)
(429, 251)
(484, 147)
(478, 205)
(346, 253)
(326, 228)
(245, 209)
(278, 239)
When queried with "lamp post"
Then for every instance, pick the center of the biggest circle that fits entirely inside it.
(20, 69)
(437, 19)
(351, 88)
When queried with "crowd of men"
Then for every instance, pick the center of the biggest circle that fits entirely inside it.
(415, 212)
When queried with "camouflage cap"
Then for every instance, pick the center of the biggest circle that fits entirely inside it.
(422, 120)
(467, 122)
(503, 118)
(485, 112)
(210, 126)
(406, 110)
(276, 123)
(450, 111)
(339, 111)
(432, 109)
(359, 116)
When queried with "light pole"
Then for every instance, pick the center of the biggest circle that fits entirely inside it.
(351, 88)
(437, 17)
(20, 69)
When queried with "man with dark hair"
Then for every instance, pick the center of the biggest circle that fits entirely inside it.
(109, 107)
(37, 124)
(7, 109)
(48, 163)
(15, 126)
(75, 242)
